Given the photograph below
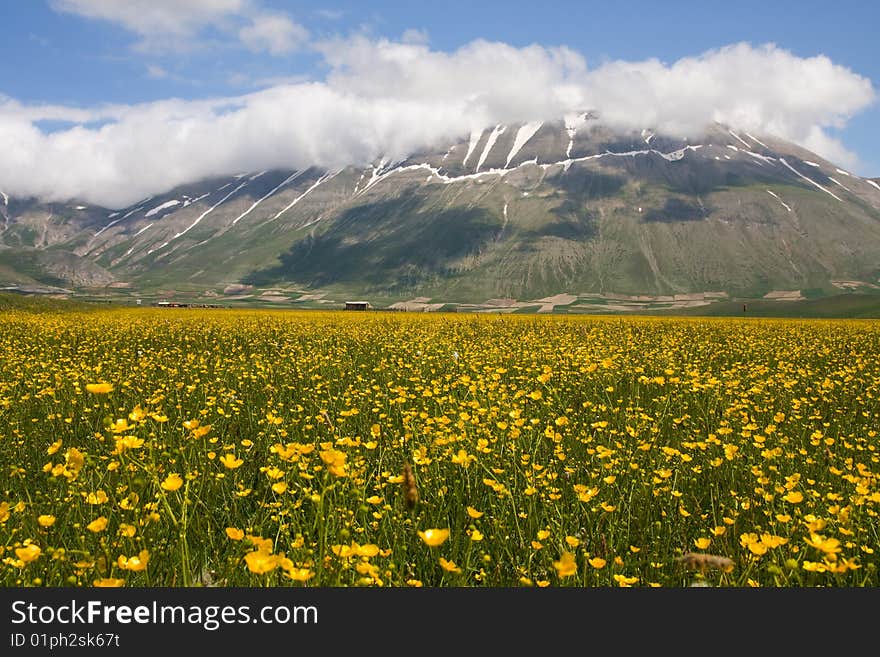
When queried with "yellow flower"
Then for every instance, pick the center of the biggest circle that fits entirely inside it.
(584, 494)
(4, 511)
(434, 537)
(172, 482)
(109, 582)
(135, 563)
(702, 543)
(54, 447)
(335, 461)
(234, 533)
(572, 541)
(99, 497)
(99, 388)
(624, 581)
(826, 545)
(230, 461)
(121, 426)
(794, 497)
(355, 550)
(473, 513)
(476, 535)
(262, 544)
(279, 487)
(74, 460)
(46, 521)
(97, 525)
(814, 566)
(449, 566)
(261, 562)
(566, 566)
(772, 541)
(201, 431)
(299, 574)
(128, 442)
(366, 550)
(597, 562)
(28, 553)
(753, 543)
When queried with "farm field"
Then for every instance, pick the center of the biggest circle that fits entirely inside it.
(183, 447)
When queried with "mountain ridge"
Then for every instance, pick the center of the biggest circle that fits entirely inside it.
(522, 211)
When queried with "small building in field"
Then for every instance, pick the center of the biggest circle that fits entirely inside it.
(357, 305)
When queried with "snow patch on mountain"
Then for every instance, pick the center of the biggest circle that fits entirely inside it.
(327, 176)
(523, 135)
(673, 156)
(755, 139)
(290, 178)
(744, 142)
(573, 122)
(164, 206)
(472, 144)
(490, 142)
(762, 158)
(810, 180)
(203, 215)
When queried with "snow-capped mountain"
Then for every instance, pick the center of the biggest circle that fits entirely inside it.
(513, 210)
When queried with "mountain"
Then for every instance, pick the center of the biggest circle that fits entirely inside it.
(518, 212)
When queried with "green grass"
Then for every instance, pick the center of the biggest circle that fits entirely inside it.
(853, 306)
(10, 301)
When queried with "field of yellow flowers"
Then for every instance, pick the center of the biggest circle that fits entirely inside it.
(149, 447)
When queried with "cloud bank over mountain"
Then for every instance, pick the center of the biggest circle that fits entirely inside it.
(390, 98)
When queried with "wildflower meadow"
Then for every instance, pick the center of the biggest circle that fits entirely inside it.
(185, 447)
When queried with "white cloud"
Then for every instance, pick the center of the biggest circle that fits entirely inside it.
(159, 23)
(273, 33)
(389, 98)
(176, 25)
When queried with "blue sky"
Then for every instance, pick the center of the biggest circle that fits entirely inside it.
(64, 53)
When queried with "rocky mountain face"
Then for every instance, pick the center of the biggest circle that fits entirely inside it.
(518, 211)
